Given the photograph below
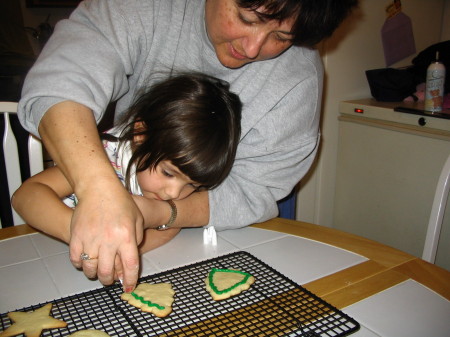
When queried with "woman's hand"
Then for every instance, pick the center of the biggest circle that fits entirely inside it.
(108, 227)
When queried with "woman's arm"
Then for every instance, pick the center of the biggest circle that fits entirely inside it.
(106, 221)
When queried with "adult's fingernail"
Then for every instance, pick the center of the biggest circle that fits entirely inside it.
(128, 289)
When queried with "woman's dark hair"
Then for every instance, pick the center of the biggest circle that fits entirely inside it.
(193, 120)
(314, 19)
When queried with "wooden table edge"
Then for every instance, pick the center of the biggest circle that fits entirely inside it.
(389, 260)
(375, 251)
(14, 231)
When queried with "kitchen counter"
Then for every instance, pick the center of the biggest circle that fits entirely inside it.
(389, 292)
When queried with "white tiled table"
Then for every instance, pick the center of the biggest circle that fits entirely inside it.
(35, 269)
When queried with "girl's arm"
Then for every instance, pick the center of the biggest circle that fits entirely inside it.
(38, 202)
(155, 213)
(193, 211)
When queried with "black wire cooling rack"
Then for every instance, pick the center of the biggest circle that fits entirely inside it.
(273, 306)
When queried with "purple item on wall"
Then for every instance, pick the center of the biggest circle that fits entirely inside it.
(398, 38)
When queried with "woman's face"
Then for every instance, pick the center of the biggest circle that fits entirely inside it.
(239, 36)
(165, 182)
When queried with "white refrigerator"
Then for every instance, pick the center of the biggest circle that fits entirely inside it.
(388, 166)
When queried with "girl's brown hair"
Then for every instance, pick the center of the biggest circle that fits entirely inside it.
(192, 120)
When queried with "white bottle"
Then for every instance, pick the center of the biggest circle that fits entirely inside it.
(434, 92)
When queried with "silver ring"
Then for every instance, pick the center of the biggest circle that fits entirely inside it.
(85, 257)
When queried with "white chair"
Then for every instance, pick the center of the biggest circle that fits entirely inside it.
(10, 149)
(437, 214)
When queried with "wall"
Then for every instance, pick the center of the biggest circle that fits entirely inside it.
(355, 47)
(445, 34)
(32, 17)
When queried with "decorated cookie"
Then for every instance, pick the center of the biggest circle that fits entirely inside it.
(154, 298)
(224, 283)
(32, 323)
(89, 333)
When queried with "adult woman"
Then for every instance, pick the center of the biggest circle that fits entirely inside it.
(108, 49)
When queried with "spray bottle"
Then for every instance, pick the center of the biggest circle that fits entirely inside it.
(434, 92)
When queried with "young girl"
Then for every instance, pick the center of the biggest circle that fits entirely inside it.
(179, 137)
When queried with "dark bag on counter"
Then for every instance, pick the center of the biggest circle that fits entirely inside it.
(390, 85)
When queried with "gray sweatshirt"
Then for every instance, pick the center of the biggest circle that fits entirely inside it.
(108, 50)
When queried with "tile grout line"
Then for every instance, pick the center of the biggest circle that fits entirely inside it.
(44, 261)
(254, 244)
(21, 261)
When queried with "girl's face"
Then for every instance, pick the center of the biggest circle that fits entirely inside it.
(239, 36)
(165, 182)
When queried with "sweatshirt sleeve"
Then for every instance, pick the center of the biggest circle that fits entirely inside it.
(87, 60)
(271, 159)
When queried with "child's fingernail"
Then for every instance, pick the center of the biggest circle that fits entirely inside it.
(128, 289)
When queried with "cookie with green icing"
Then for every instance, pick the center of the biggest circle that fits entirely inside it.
(224, 283)
(154, 298)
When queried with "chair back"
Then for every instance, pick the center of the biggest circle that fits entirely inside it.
(287, 206)
(11, 157)
(437, 214)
